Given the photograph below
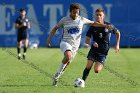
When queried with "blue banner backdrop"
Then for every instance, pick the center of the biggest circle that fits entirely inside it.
(44, 14)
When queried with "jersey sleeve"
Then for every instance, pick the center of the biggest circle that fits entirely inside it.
(86, 21)
(61, 22)
(115, 30)
(89, 32)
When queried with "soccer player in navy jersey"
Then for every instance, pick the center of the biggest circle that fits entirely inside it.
(22, 24)
(99, 44)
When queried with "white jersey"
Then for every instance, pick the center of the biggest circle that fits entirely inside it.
(72, 29)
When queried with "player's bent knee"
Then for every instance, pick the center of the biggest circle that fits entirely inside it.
(98, 68)
(19, 44)
(68, 58)
(68, 55)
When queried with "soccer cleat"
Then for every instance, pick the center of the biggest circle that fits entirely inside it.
(24, 56)
(19, 57)
(83, 85)
(55, 82)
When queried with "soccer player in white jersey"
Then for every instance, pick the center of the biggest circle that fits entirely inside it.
(72, 28)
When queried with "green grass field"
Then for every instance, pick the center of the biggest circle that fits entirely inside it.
(121, 75)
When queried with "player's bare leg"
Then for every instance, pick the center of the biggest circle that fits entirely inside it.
(67, 58)
(18, 49)
(98, 67)
(87, 69)
(25, 48)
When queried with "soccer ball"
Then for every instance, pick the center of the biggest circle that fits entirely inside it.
(79, 83)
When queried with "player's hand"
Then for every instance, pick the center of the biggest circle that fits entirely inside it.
(48, 43)
(117, 48)
(95, 45)
(28, 25)
(24, 24)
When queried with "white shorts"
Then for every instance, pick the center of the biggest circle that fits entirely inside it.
(66, 46)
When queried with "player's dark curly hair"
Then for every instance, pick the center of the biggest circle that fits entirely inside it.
(74, 6)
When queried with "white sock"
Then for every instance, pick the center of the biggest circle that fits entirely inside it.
(61, 67)
(19, 54)
(24, 53)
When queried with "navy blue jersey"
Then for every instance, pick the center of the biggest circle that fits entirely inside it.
(19, 21)
(101, 35)
(22, 33)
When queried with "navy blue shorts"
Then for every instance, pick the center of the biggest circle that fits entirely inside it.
(96, 56)
(21, 36)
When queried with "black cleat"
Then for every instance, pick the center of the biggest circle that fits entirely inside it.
(19, 57)
(55, 82)
(24, 57)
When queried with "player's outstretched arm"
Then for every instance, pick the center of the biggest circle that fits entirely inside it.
(117, 47)
(51, 35)
(101, 25)
(28, 25)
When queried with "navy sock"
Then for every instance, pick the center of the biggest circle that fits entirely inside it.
(85, 74)
(25, 49)
(18, 50)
